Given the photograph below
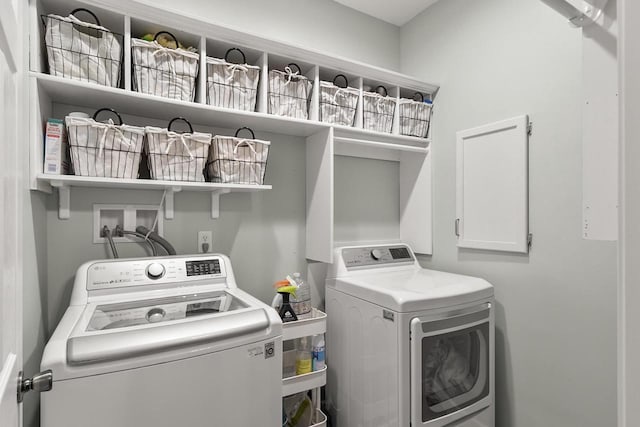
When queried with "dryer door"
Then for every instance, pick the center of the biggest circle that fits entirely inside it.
(451, 364)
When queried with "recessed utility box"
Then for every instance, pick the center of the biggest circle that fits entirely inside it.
(126, 216)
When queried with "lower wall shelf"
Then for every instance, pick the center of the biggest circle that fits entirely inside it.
(64, 183)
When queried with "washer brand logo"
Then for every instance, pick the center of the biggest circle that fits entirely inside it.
(269, 350)
(386, 314)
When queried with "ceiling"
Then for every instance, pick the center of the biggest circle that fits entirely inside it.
(397, 12)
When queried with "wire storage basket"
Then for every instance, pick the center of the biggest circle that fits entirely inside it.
(415, 116)
(378, 110)
(232, 85)
(81, 50)
(105, 150)
(174, 156)
(289, 93)
(234, 160)
(338, 104)
(164, 70)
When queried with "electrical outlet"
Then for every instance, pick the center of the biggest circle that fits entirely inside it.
(205, 241)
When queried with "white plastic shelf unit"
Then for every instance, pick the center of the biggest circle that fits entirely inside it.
(134, 19)
(313, 380)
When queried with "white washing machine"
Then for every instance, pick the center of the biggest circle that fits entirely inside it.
(163, 342)
(407, 346)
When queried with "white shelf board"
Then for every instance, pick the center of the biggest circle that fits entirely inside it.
(298, 383)
(92, 95)
(373, 136)
(144, 184)
(64, 183)
(305, 327)
(71, 92)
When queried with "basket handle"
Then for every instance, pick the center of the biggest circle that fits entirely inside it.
(346, 81)
(235, 49)
(295, 65)
(93, 15)
(376, 90)
(184, 120)
(167, 33)
(253, 135)
(418, 94)
(108, 109)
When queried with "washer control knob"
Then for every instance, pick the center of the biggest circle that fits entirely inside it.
(155, 315)
(155, 270)
(376, 254)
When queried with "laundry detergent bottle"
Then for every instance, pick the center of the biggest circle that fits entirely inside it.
(303, 356)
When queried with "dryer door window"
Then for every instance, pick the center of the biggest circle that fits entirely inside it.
(450, 367)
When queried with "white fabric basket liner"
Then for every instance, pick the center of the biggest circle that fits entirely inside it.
(232, 85)
(237, 160)
(338, 105)
(378, 112)
(104, 149)
(177, 156)
(163, 71)
(79, 56)
(289, 94)
(414, 117)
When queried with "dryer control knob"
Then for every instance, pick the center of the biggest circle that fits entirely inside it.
(155, 271)
(376, 254)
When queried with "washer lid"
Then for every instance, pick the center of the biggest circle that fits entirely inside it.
(415, 290)
(128, 329)
(133, 313)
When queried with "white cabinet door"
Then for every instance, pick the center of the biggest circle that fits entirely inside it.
(11, 186)
(492, 186)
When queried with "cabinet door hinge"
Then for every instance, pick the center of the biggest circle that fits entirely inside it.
(530, 128)
(530, 240)
(457, 227)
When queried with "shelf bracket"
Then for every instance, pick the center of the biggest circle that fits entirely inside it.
(215, 202)
(64, 199)
(169, 201)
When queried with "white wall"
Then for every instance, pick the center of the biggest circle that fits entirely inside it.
(556, 307)
(314, 24)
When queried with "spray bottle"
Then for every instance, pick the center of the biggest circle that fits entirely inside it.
(285, 289)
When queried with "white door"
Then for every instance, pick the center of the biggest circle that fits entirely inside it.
(11, 188)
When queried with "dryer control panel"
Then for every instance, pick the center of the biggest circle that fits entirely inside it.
(377, 255)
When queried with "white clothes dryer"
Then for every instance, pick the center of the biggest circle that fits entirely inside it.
(163, 342)
(407, 346)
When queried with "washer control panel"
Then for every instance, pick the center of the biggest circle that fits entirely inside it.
(141, 272)
(377, 255)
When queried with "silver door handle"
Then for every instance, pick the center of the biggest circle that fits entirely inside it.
(40, 382)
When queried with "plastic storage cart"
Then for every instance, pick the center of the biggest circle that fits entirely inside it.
(314, 380)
